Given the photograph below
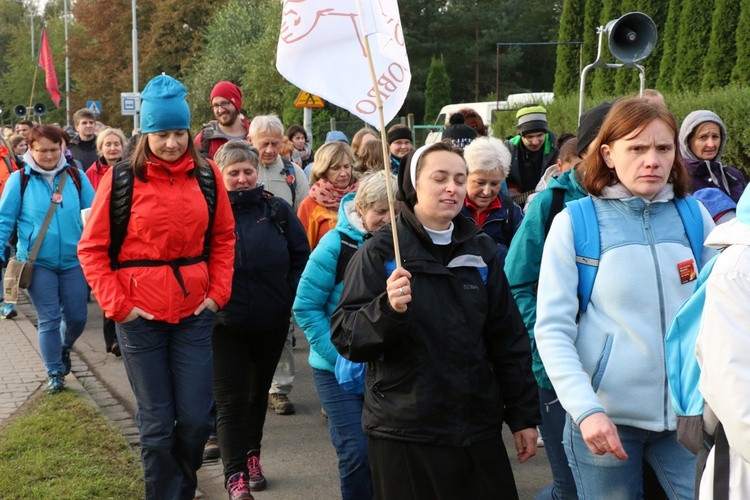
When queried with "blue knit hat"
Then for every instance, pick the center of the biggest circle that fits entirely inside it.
(164, 106)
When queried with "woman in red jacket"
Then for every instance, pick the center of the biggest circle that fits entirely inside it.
(110, 144)
(165, 284)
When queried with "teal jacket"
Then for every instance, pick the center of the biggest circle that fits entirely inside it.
(318, 293)
(525, 258)
(59, 250)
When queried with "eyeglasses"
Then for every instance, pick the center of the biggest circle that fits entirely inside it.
(218, 105)
(45, 152)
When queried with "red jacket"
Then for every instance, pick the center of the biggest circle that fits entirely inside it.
(168, 220)
(96, 172)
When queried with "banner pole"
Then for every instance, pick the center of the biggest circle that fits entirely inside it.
(386, 156)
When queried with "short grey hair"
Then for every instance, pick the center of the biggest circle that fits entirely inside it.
(373, 190)
(266, 124)
(236, 152)
(487, 153)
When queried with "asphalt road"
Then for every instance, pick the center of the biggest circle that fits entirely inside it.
(298, 458)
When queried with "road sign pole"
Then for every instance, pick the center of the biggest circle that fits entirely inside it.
(307, 124)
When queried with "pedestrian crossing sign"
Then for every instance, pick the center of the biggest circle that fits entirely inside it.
(95, 107)
(308, 100)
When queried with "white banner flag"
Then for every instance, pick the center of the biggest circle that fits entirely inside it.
(322, 50)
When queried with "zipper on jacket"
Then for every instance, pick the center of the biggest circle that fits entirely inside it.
(376, 390)
(171, 180)
(660, 291)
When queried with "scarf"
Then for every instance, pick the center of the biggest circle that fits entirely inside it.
(325, 194)
(304, 153)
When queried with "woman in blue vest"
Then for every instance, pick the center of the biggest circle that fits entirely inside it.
(317, 296)
(58, 289)
(607, 362)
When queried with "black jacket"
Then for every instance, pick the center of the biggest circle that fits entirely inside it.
(457, 363)
(267, 263)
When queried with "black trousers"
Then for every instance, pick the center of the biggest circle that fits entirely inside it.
(110, 337)
(413, 471)
(245, 359)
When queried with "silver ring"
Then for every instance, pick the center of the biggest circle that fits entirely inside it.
(401, 289)
(604, 444)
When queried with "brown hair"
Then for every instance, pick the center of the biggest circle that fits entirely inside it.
(370, 158)
(52, 133)
(473, 120)
(357, 140)
(627, 118)
(142, 154)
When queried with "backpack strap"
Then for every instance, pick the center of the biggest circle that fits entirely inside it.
(73, 173)
(291, 178)
(721, 464)
(692, 219)
(121, 199)
(278, 215)
(558, 203)
(587, 246)
(348, 248)
(207, 182)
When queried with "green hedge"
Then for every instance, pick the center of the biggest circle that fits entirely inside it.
(730, 103)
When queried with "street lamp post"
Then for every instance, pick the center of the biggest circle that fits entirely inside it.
(67, 67)
(135, 63)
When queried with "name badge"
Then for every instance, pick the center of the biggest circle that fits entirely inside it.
(687, 271)
(57, 198)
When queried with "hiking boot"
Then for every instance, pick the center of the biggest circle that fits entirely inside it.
(7, 311)
(280, 404)
(66, 360)
(211, 450)
(237, 487)
(256, 479)
(55, 383)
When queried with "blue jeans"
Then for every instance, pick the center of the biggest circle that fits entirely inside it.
(59, 298)
(607, 477)
(344, 411)
(169, 369)
(553, 423)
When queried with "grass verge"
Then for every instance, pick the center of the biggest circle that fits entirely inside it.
(61, 447)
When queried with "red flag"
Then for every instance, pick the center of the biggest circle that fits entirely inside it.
(45, 62)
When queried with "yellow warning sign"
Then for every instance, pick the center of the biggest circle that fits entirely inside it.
(308, 100)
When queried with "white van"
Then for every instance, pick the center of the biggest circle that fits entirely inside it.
(486, 109)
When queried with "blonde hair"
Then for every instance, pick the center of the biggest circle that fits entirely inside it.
(328, 155)
(373, 189)
(106, 133)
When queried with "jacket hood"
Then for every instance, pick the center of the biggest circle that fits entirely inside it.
(690, 123)
(350, 222)
(620, 192)
(566, 180)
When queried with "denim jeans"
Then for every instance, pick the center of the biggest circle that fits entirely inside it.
(169, 369)
(607, 477)
(344, 411)
(245, 358)
(59, 299)
(553, 423)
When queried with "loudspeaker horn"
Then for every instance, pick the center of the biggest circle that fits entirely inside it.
(40, 109)
(20, 111)
(632, 37)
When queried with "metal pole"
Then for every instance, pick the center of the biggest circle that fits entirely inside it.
(307, 124)
(67, 67)
(136, 117)
(31, 18)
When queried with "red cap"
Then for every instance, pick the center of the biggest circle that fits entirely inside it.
(228, 91)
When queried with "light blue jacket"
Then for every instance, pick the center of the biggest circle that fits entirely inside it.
(612, 359)
(60, 244)
(318, 294)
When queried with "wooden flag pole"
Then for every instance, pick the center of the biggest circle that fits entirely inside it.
(386, 155)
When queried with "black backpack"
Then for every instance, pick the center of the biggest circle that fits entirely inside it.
(123, 179)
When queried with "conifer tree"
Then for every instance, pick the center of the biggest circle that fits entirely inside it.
(626, 80)
(741, 71)
(568, 56)
(437, 91)
(657, 11)
(590, 37)
(692, 45)
(722, 48)
(669, 54)
(603, 83)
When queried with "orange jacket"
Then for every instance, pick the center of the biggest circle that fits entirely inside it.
(168, 220)
(7, 165)
(316, 219)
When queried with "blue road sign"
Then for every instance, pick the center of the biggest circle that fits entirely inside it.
(95, 107)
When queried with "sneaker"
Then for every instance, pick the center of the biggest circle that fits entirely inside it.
(280, 404)
(539, 440)
(237, 487)
(211, 450)
(66, 360)
(256, 479)
(55, 383)
(7, 311)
